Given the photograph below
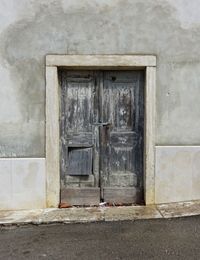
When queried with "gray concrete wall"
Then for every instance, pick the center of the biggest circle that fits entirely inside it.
(30, 29)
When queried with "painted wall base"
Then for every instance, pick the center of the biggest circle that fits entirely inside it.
(177, 178)
(22, 183)
(177, 174)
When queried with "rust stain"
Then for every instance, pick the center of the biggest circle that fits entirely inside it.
(64, 205)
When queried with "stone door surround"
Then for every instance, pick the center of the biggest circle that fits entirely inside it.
(115, 62)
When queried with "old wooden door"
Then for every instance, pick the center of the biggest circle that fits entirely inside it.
(122, 139)
(79, 138)
(101, 130)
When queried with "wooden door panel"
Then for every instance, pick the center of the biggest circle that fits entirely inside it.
(121, 167)
(82, 181)
(120, 195)
(79, 137)
(121, 179)
(121, 160)
(121, 96)
(80, 161)
(122, 139)
(79, 103)
(118, 97)
(80, 196)
(122, 152)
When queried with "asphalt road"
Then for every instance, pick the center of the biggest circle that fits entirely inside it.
(141, 239)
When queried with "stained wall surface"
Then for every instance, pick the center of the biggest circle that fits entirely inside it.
(30, 29)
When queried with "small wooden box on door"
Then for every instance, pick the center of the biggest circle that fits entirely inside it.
(101, 136)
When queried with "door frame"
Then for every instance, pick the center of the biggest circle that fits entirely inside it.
(96, 62)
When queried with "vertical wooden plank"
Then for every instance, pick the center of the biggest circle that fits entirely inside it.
(79, 135)
(96, 148)
(52, 137)
(149, 157)
(122, 143)
(101, 148)
(139, 129)
(62, 120)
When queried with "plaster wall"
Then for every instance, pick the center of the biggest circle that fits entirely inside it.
(177, 174)
(22, 183)
(30, 29)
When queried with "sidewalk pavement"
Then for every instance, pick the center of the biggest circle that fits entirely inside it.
(95, 214)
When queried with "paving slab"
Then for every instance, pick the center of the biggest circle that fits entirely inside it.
(20, 216)
(181, 209)
(72, 215)
(131, 213)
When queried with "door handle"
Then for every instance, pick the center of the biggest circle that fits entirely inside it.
(107, 124)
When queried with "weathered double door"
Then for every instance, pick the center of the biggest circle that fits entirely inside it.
(101, 136)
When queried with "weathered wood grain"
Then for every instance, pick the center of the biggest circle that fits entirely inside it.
(79, 137)
(120, 195)
(80, 161)
(102, 122)
(122, 143)
(80, 196)
(82, 181)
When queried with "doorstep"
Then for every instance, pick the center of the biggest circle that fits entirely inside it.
(101, 213)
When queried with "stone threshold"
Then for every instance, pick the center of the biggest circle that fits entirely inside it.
(95, 214)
